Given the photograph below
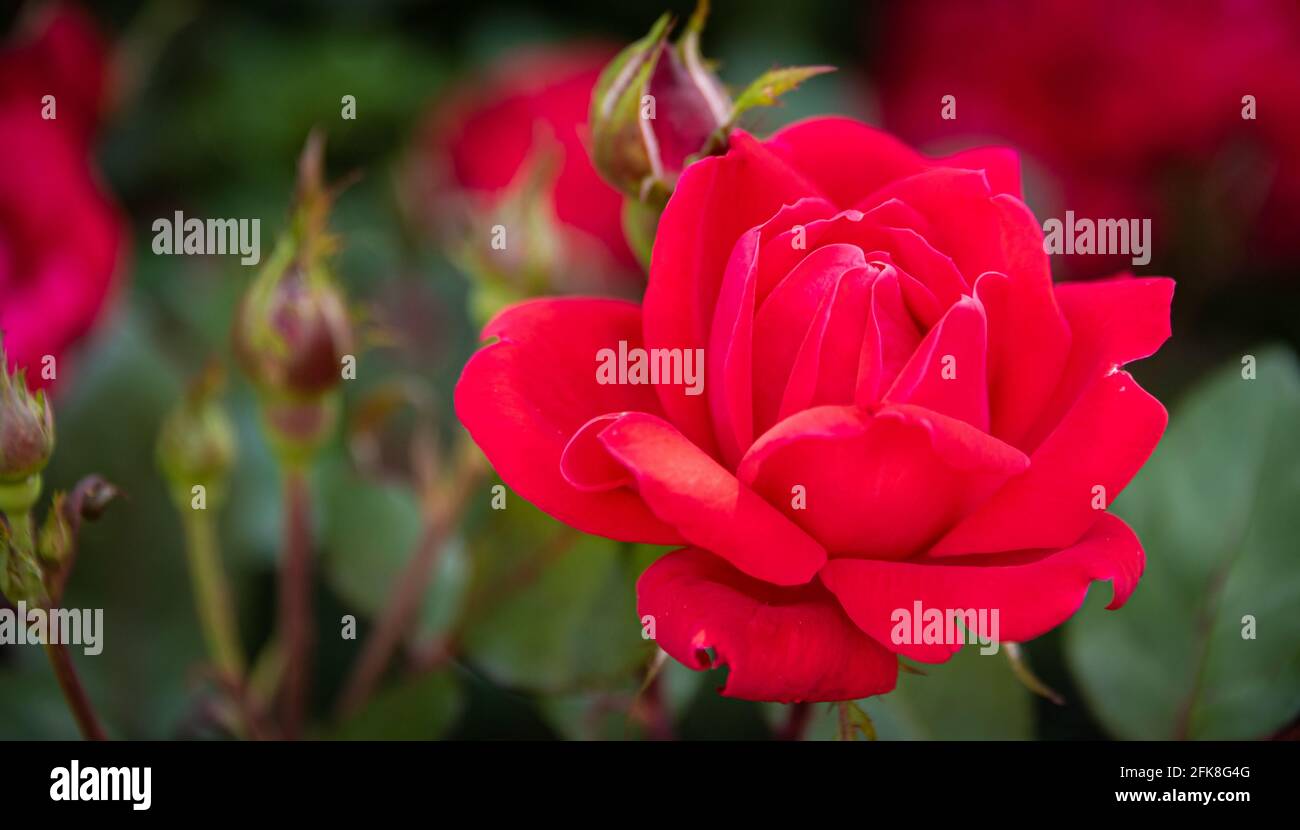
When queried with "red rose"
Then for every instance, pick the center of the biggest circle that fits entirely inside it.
(486, 137)
(899, 406)
(1137, 107)
(60, 235)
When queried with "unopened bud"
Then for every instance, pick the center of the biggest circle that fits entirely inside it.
(196, 445)
(656, 105)
(26, 427)
(56, 537)
(292, 329)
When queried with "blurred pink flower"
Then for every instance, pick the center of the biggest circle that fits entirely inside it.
(60, 235)
(1137, 107)
(484, 136)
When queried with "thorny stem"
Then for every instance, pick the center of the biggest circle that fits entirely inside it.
(296, 601)
(212, 594)
(86, 500)
(658, 722)
(82, 710)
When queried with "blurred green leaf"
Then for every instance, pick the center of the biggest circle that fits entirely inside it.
(1215, 509)
(370, 531)
(971, 697)
(592, 716)
(767, 89)
(421, 709)
(553, 609)
(31, 705)
(113, 394)
(605, 715)
(279, 85)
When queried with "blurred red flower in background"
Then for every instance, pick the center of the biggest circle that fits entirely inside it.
(480, 145)
(1137, 107)
(60, 235)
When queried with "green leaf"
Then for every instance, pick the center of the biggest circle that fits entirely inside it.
(370, 531)
(421, 709)
(131, 561)
(971, 697)
(553, 609)
(1215, 509)
(606, 714)
(771, 85)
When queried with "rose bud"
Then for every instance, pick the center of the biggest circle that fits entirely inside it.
(56, 538)
(26, 430)
(196, 445)
(292, 329)
(655, 105)
(658, 106)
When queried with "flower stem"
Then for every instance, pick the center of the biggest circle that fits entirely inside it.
(408, 591)
(82, 710)
(296, 600)
(658, 721)
(212, 594)
(798, 716)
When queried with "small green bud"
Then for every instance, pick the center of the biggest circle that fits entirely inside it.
(196, 445)
(55, 540)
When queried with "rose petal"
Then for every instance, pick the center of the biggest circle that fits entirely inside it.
(729, 368)
(1022, 310)
(872, 232)
(1102, 442)
(964, 222)
(523, 398)
(785, 317)
(708, 505)
(1112, 322)
(1032, 593)
(888, 339)
(846, 159)
(716, 200)
(825, 371)
(1001, 166)
(881, 485)
(780, 644)
(586, 465)
(948, 372)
